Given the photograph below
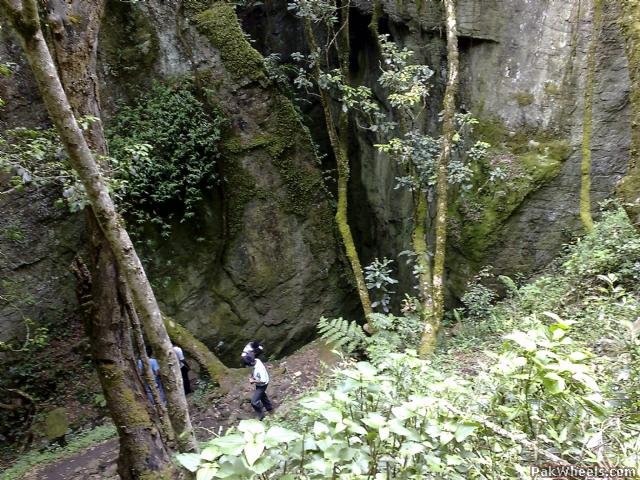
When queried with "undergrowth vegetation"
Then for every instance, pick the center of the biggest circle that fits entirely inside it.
(548, 375)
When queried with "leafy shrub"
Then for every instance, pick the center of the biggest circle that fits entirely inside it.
(613, 246)
(404, 419)
(164, 153)
(391, 334)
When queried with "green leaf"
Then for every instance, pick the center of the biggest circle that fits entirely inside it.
(401, 412)
(367, 370)
(577, 356)
(464, 430)
(409, 449)
(523, 340)
(320, 428)
(587, 380)
(251, 426)
(554, 383)
(332, 414)
(207, 471)
(374, 420)
(231, 444)
(252, 451)
(276, 435)
(190, 461)
(264, 464)
(445, 437)
(210, 453)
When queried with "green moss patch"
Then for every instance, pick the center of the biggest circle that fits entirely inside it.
(524, 98)
(529, 159)
(219, 24)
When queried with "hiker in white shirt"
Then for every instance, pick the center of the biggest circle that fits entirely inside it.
(184, 369)
(260, 378)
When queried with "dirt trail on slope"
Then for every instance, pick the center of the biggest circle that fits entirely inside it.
(290, 377)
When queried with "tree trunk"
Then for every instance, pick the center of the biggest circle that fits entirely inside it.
(587, 119)
(419, 241)
(217, 370)
(24, 18)
(429, 335)
(339, 146)
(142, 451)
(75, 46)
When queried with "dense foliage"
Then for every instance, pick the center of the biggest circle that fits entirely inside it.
(544, 376)
(164, 151)
(163, 157)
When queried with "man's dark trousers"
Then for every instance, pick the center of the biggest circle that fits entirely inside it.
(260, 399)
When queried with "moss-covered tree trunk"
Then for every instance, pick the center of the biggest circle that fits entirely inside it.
(24, 17)
(421, 249)
(629, 188)
(429, 335)
(143, 453)
(217, 370)
(338, 132)
(587, 119)
(74, 45)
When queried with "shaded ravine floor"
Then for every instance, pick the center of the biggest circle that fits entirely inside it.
(290, 377)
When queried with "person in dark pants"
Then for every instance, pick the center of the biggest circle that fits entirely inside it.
(184, 369)
(260, 378)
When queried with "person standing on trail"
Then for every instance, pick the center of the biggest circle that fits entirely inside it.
(184, 369)
(260, 378)
(254, 347)
(155, 369)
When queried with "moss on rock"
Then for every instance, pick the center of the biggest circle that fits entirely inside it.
(220, 25)
(530, 159)
(524, 98)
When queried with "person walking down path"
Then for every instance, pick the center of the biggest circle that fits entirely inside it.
(155, 369)
(254, 347)
(260, 378)
(184, 369)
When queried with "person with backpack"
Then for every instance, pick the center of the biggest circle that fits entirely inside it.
(184, 369)
(260, 378)
(254, 347)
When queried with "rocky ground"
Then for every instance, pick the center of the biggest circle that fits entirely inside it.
(211, 413)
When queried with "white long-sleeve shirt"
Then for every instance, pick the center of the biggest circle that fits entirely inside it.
(260, 374)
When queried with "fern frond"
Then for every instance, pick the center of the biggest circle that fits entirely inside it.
(341, 333)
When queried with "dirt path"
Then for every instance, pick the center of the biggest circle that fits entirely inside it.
(290, 377)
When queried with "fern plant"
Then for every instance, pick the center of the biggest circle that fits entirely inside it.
(341, 333)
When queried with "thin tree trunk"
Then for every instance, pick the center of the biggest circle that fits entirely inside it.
(339, 146)
(587, 119)
(24, 18)
(419, 241)
(430, 332)
(142, 451)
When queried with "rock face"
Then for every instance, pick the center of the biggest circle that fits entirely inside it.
(267, 265)
(265, 261)
(523, 66)
(532, 78)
